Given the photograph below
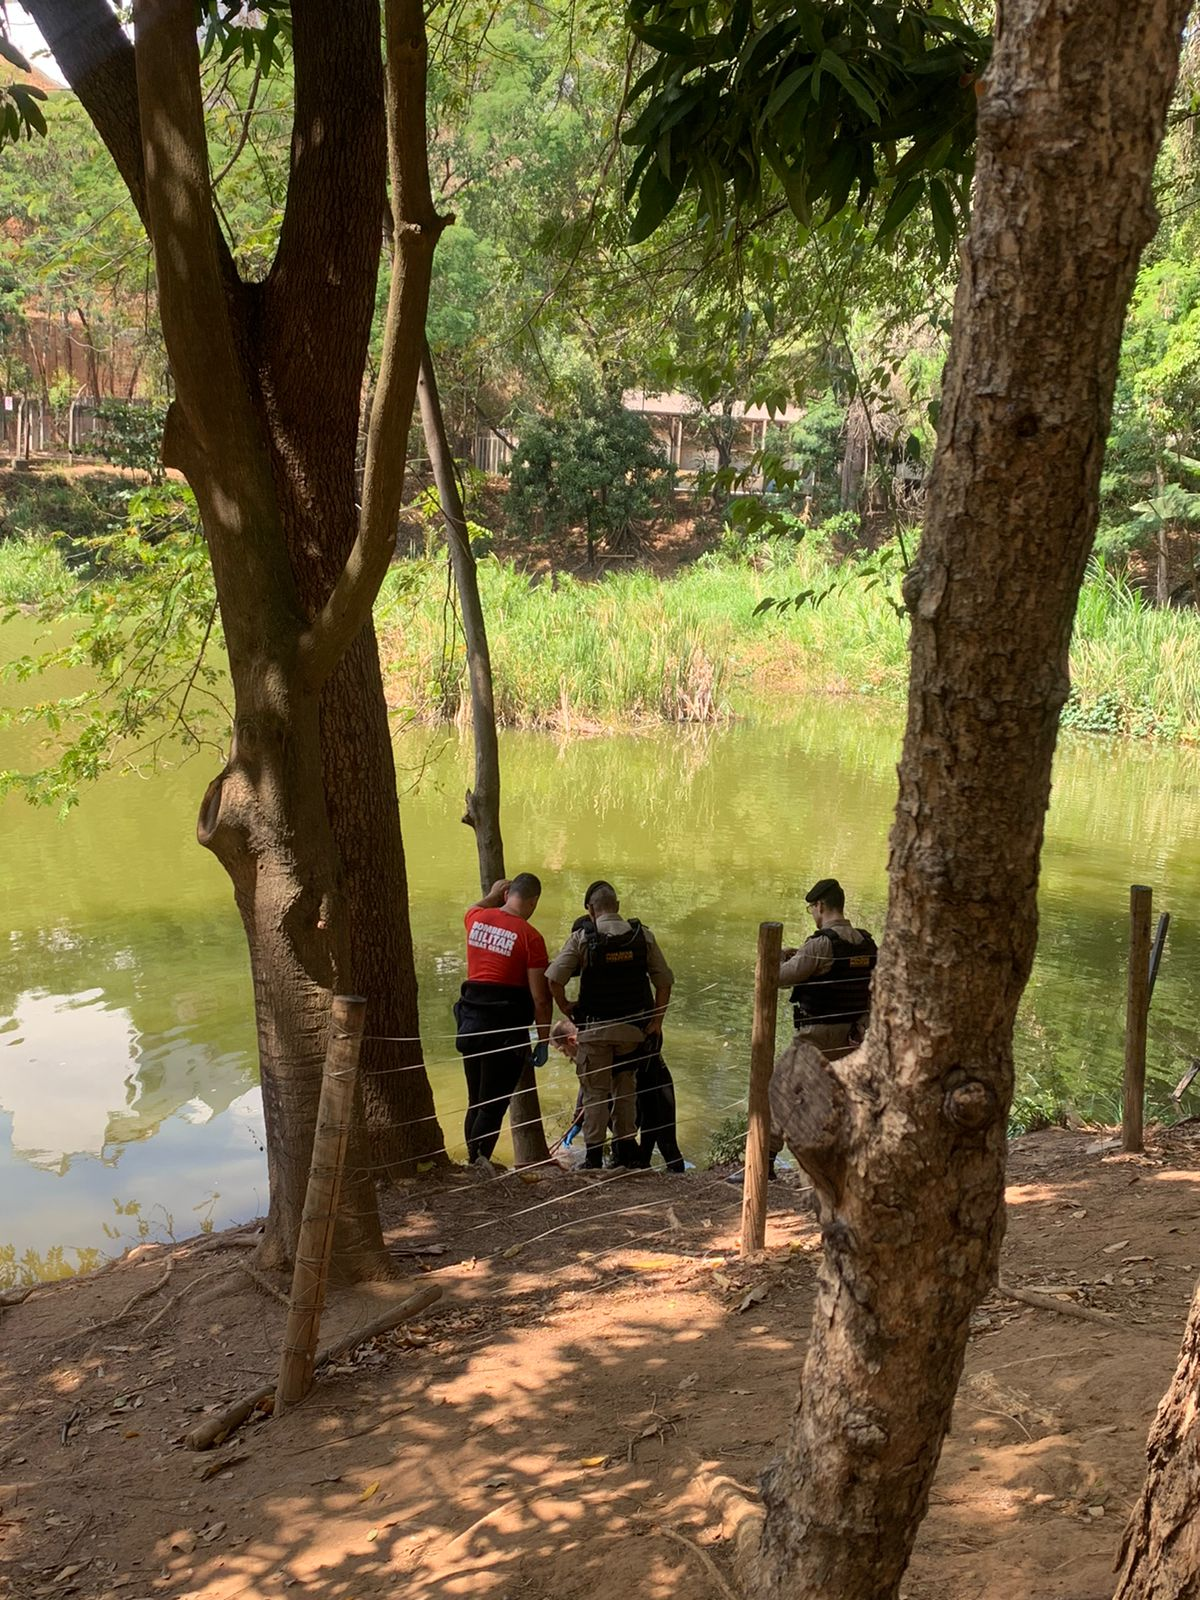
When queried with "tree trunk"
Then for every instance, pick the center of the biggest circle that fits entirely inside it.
(364, 811)
(909, 1150)
(1160, 1554)
(483, 802)
(265, 819)
(1162, 589)
(268, 378)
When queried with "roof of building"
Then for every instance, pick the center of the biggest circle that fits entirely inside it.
(675, 404)
(35, 78)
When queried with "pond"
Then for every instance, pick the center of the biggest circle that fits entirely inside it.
(128, 1099)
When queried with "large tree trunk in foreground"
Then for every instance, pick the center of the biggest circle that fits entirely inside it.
(268, 378)
(911, 1144)
(1160, 1555)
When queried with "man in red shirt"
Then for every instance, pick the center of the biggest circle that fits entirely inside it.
(505, 991)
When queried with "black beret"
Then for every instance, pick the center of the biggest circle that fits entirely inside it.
(821, 890)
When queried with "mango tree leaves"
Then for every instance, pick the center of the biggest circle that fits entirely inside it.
(259, 33)
(754, 103)
(20, 111)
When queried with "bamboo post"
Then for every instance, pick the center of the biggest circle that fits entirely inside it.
(1137, 1005)
(762, 1062)
(315, 1245)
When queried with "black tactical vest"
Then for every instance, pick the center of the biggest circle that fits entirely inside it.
(614, 985)
(844, 992)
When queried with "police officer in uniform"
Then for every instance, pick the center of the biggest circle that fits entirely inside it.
(830, 979)
(624, 989)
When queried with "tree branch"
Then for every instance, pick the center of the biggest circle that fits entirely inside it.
(88, 43)
(416, 228)
(189, 252)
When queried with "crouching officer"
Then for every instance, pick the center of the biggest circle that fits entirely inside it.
(624, 988)
(830, 976)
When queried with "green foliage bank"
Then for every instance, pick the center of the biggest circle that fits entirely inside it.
(633, 648)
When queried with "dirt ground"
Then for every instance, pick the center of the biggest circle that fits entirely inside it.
(541, 1431)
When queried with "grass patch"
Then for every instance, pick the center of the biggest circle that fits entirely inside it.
(33, 571)
(631, 647)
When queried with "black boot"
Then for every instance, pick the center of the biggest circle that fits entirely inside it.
(625, 1154)
(594, 1160)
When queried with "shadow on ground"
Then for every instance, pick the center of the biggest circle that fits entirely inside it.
(541, 1431)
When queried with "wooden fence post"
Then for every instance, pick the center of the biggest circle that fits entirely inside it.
(1137, 1006)
(315, 1245)
(762, 1063)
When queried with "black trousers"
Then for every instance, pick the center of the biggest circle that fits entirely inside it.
(656, 1114)
(493, 1040)
(655, 1105)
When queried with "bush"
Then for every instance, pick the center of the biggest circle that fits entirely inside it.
(728, 1141)
(31, 572)
(130, 435)
(600, 469)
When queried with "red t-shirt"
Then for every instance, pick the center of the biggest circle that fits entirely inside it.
(501, 948)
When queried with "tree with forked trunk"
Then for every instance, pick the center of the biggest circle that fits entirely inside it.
(268, 379)
(906, 1139)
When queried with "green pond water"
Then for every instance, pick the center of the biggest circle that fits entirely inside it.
(129, 1105)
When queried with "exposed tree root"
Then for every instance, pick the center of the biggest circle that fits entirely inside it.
(261, 1279)
(217, 1429)
(110, 1322)
(205, 1277)
(710, 1566)
(1047, 1302)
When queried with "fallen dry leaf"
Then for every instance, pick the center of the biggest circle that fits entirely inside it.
(1111, 1249)
(515, 1250)
(753, 1296)
(592, 1461)
(372, 1488)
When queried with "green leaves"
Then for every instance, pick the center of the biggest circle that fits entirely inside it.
(20, 110)
(260, 34)
(144, 626)
(873, 570)
(826, 105)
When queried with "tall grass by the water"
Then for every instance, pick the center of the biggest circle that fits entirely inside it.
(1135, 667)
(32, 572)
(632, 647)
